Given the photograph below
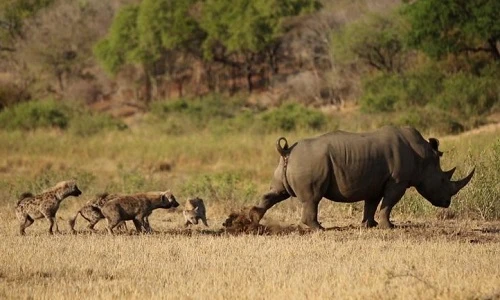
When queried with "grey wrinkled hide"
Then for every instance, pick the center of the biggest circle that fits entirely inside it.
(376, 167)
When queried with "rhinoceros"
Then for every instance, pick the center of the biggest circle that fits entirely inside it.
(348, 167)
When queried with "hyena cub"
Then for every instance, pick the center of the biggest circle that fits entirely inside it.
(91, 212)
(194, 210)
(136, 207)
(45, 205)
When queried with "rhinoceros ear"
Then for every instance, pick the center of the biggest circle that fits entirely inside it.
(435, 145)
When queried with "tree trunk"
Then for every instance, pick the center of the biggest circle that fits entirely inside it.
(147, 85)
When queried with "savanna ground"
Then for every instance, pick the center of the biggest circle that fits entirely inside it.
(434, 253)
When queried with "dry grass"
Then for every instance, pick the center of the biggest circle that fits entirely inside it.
(421, 260)
(424, 258)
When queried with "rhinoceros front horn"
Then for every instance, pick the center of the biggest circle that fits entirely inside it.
(449, 173)
(458, 185)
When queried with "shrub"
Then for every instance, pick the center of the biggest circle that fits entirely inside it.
(35, 114)
(469, 95)
(87, 124)
(293, 116)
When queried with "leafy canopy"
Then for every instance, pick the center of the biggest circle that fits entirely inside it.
(440, 27)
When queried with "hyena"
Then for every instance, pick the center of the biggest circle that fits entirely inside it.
(136, 207)
(91, 212)
(45, 205)
(194, 210)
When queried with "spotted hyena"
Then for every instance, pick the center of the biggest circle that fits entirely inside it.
(136, 207)
(91, 212)
(45, 205)
(194, 210)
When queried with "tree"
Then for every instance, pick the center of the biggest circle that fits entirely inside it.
(378, 41)
(13, 14)
(145, 34)
(50, 52)
(440, 27)
(248, 31)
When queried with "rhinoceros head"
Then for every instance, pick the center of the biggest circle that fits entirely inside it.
(436, 185)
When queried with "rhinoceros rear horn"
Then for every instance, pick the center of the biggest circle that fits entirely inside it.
(282, 150)
(449, 173)
(458, 185)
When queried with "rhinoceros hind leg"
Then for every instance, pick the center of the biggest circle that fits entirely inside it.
(310, 214)
(369, 213)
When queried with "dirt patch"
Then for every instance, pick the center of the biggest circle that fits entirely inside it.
(239, 223)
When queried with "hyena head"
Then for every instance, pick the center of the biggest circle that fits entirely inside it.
(169, 199)
(67, 188)
(191, 215)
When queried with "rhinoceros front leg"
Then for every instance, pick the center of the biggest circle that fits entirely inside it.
(393, 193)
(369, 212)
(269, 199)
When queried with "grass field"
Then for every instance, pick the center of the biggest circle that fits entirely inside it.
(430, 255)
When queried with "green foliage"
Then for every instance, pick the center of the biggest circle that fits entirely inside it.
(293, 116)
(13, 13)
(439, 27)
(466, 95)
(469, 95)
(52, 114)
(122, 43)
(222, 115)
(35, 114)
(259, 22)
(165, 24)
(87, 124)
(376, 40)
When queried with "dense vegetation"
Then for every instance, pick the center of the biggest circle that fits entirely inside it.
(440, 58)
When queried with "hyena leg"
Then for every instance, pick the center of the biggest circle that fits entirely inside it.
(138, 225)
(52, 222)
(122, 226)
(112, 224)
(25, 224)
(92, 223)
(147, 227)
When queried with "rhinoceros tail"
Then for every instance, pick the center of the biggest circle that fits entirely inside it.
(282, 150)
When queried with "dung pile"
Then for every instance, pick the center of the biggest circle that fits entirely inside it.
(239, 223)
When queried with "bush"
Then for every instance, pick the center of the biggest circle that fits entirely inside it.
(293, 116)
(469, 95)
(51, 114)
(35, 114)
(200, 110)
(87, 124)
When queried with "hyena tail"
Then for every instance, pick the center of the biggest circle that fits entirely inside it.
(24, 196)
(72, 221)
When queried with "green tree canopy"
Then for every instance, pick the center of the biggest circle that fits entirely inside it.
(246, 25)
(440, 27)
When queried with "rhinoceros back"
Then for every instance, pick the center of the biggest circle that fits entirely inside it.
(352, 166)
